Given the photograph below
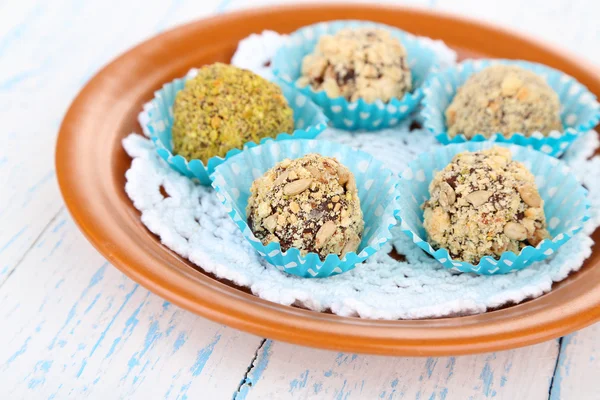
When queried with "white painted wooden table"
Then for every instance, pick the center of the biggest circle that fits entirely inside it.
(72, 326)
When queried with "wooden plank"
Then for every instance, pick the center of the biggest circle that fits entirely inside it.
(75, 327)
(570, 25)
(53, 50)
(30, 197)
(578, 366)
(283, 371)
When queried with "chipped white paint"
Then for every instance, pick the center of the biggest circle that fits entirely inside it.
(44, 66)
(569, 25)
(72, 326)
(73, 329)
(286, 371)
(578, 367)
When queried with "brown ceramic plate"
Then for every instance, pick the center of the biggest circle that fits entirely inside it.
(91, 164)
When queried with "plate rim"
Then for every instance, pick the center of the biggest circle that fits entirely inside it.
(214, 300)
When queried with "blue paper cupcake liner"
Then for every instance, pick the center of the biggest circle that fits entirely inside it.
(422, 60)
(376, 189)
(580, 111)
(308, 119)
(565, 205)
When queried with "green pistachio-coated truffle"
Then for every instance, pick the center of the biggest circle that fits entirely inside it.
(223, 108)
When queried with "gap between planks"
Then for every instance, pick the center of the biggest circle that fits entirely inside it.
(556, 365)
(33, 244)
(280, 370)
(248, 380)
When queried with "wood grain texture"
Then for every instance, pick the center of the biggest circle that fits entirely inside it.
(31, 198)
(72, 326)
(49, 51)
(284, 371)
(578, 366)
(74, 329)
(567, 24)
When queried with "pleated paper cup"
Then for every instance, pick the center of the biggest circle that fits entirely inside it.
(309, 121)
(565, 205)
(356, 115)
(377, 190)
(580, 111)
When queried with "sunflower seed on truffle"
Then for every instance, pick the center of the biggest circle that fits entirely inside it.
(478, 197)
(324, 233)
(314, 171)
(271, 222)
(351, 184)
(343, 175)
(282, 178)
(351, 245)
(515, 231)
(447, 195)
(537, 237)
(296, 187)
(530, 195)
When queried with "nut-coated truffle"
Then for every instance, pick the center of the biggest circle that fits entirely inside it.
(504, 99)
(483, 204)
(362, 63)
(224, 107)
(310, 203)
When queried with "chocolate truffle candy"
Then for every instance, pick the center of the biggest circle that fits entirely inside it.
(224, 107)
(483, 204)
(363, 63)
(503, 99)
(310, 203)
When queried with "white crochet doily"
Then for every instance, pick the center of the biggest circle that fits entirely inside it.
(191, 222)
